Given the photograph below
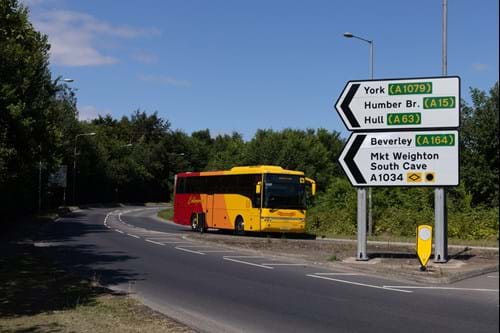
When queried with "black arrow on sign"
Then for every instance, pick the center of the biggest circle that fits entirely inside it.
(349, 159)
(345, 105)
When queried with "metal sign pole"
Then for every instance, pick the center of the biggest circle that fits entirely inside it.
(361, 254)
(440, 209)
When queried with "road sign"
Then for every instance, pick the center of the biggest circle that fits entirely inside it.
(58, 179)
(423, 158)
(400, 104)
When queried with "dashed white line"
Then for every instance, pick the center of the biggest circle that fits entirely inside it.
(199, 246)
(340, 274)
(443, 288)
(177, 242)
(188, 250)
(163, 239)
(282, 264)
(360, 284)
(242, 257)
(117, 230)
(222, 251)
(232, 258)
(133, 236)
(150, 241)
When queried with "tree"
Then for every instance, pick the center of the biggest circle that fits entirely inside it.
(31, 109)
(296, 150)
(479, 147)
(227, 151)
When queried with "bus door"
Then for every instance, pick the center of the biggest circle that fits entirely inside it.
(209, 210)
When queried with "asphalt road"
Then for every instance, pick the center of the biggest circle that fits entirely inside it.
(213, 289)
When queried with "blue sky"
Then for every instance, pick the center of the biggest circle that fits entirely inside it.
(240, 66)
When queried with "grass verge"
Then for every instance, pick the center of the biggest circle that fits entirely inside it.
(166, 214)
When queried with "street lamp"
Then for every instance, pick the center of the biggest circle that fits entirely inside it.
(168, 170)
(362, 191)
(74, 162)
(350, 35)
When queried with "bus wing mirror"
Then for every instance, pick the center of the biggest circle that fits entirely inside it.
(313, 185)
(258, 187)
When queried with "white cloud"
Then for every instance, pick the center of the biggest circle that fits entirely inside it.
(89, 112)
(74, 37)
(31, 3)
(164, 80)
(479, 67)
(146, 57)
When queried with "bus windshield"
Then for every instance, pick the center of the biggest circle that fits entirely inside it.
(284, 192)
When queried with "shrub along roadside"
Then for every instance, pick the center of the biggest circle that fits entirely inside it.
(398, 211)
(166, 214)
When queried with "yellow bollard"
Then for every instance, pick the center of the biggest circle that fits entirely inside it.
(424, 245)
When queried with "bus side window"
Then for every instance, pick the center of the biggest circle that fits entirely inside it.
(180, 185)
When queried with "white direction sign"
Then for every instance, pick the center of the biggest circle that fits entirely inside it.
(423, 158)
(400, 104)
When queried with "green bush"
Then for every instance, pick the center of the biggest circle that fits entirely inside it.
(334, 211)
(475, 223)
(398, 212)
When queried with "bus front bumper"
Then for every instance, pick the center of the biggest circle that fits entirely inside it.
(273, 224)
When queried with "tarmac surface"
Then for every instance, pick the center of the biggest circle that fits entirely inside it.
(390, 259)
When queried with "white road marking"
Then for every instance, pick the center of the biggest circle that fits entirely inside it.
(133, 236)
(240, 257)
(340, 274)
(443, 288)
(157, 233)
(150, 234)
(177, 242)
(282, 264)
(232, 258)
(493, 276)
(199, 246)
(150, 241)
(190, 251)
(359, 284)
(117, 230)
(166, 239)
(214, 251)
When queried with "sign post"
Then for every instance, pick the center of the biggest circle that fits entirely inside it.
(59, 179)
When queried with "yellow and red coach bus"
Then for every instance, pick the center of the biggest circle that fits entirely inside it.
(262, 198)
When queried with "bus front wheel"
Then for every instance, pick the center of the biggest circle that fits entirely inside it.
(194, 222)
(239, 226)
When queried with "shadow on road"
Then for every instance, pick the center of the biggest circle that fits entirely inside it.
(41, 266)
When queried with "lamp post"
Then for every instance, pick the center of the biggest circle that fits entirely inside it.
(74, 162)
(361, 255)
(168, 172)
(40, 178)
(350, 35)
